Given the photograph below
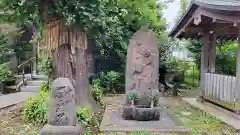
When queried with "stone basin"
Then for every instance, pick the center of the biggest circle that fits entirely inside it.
(141, 113)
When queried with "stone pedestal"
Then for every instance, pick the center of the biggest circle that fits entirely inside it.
(141, 113)
(62, 130)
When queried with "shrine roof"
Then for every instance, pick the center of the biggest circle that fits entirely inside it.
(208, 15)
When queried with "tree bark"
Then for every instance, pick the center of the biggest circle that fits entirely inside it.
(71, 63)
(84, 98)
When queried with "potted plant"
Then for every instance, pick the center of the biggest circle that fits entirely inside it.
(153, 97)
(132, 96)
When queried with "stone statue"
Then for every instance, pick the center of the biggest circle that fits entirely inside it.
(142, 77)
(142, 64)
(62, 110)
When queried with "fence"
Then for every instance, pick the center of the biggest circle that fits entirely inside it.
(220, 89)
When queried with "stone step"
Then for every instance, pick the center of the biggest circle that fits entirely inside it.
(29, 88)
(35, 82)
(40, 77)
(34, 77)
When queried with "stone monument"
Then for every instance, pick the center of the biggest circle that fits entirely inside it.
(142, 77)
(62, 110)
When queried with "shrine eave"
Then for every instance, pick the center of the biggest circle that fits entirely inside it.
(220, 17)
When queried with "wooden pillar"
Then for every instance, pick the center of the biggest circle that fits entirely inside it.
(212, 53)
(204, 62)
(237, 85)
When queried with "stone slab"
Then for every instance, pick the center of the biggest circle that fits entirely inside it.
(220, 113)
(15, 98)
(62, 130)
(113, 122)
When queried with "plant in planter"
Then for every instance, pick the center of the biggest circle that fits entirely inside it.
(153, 97)
(132, 96)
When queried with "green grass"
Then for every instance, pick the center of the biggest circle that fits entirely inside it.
(189, 80)
(199, 121)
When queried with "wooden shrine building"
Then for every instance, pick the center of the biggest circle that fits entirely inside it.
(211, 20)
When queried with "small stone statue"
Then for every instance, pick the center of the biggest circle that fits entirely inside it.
(62, 110)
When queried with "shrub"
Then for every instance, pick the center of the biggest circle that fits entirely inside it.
(97, 91)
(45, 65)
(5, 73)
(87, 131)
(87, 117)
(109, 80)
(44, 87)
(35, 108)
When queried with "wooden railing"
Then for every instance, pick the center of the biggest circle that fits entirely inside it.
(22, 66)
(220, 89)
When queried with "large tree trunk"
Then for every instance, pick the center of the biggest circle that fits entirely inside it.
(85, 98)
(63, 64)
(71, 63)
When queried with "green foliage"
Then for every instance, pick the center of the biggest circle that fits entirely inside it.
(132, 95)
(97, 91)
(195, 49)
(183, 9)
(177, 65)
(5, 73)
(108, 23)
(110, 80)
(191, 76)
(3, 41)
(35, 108)
(225, 59)
(87, 117)
(45, 66)
(87, 131)
(4, 49)
(44, 87)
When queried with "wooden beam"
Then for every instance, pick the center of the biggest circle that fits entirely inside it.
(218, 15)
(196, 13)
(229, 31)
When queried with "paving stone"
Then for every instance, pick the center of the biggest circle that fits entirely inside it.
(15, 98)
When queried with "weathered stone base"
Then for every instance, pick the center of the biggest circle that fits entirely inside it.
(62, 130)
(113, 122)
(140, 113)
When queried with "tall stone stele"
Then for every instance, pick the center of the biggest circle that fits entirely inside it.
(62, 110)
(142, 75)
